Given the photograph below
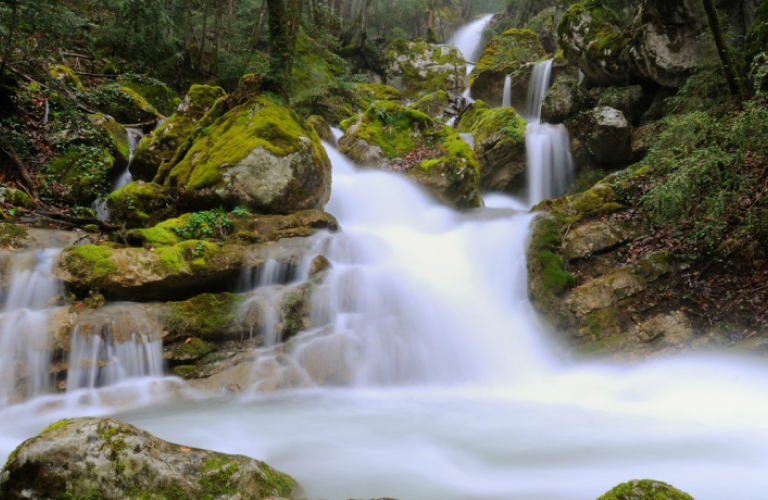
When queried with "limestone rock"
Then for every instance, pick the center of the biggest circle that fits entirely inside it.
(392, 137)
(434, 105)
(161, 144)
(510, 53)
(322, 128)
(258, 155)
(106, 458)
(632, 100)
(606, 133)
(418, 68)
(599, 236)
(564, 99)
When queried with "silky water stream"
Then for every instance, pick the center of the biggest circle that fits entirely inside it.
(456, 391)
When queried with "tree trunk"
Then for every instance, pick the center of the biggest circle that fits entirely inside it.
(722, 49)
(283, 22)
(230, 24)
(431, 33)
(257, 29)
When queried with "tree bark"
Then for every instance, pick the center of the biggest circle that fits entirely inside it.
(722, 49)
(283, 22)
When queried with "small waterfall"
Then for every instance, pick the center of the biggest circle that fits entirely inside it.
(24, 326)
(100, 205)
(506, 99)
(550, 165)
(95, 362)
(469, 40)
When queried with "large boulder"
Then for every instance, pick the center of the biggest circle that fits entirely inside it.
(258, 155)
(499, 142)
(155, 92)
(160, 146)
(418, 68)
(564, 99)
(510, 53)
(81, 174)
(590, 37)
(106, 458)
(434, 105)
(393, 137)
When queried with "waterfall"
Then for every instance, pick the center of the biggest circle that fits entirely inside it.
(469, 40)
(550, 165)
(506, 99)
(99, 206)
(24, 326)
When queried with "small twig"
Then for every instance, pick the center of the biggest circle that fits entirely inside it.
(29, 184)
(83, 73)
(139, 125)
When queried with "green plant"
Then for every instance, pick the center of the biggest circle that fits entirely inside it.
(200, 225)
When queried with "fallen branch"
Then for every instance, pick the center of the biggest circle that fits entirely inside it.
(105, 226)
(83, 73)
(29, 185)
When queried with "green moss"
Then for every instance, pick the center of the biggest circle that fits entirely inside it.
(756, 40)
(390, 126)
(185, 371)
(155, 236)
(604, 41)
(258, 123)
(369, 93)
(155, 92)
(90, 260)
(420, 78)
(56, 425)
(277, 483)
(434, 104)
(141, 204)
(12, 234)
(117, 135)
(66, 75)
(484, 122)
(506, 52)
(553, 273)
(207, 316)
(645, 489)
(82, 173)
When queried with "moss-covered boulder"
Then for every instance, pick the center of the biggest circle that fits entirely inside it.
(80, 174)
(590, 37)
(141, 204)
(368, 93)
(499, 143)
(116, 137)
(510, 53)
(418, 68)
(606, 133)
(161, 145)
(15, 197)
(258, 155)
(434, 105)
(65, 75)
(155, 92)
(173, 271)
(645, 489)
(393, 137)
(544, 24)
(124, 104)
(209, 317)
(106, 458)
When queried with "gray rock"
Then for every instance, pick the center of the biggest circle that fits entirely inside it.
(106, 458)
(599, 236)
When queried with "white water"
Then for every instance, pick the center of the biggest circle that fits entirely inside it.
(469, 40)
(100, 206)
(506, 98)
(548, 147)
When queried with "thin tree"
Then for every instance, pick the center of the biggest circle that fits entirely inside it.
(283, 23)
(722, 49)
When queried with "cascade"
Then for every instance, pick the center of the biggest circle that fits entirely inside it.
(24, 326)
(469, 40)
(506, 99)
(99, 206)
(550, 166)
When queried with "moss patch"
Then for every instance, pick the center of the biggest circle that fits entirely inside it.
(93, 261)
(56, 425)
(207, 316)
(647, 490)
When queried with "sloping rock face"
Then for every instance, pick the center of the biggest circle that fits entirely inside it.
(160, 146)
(608, 299)
(106, 458)
(258, 155)
(418, 68)
(499, 143)
(510, 53)
(393, 137)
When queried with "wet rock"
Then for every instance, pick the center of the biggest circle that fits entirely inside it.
(666, 330)
(322, 128)
(510, 53)
(564, 99)
(106, 458)
(632, 101)
(393, 137)
(258, 155)
(606, 133)
(418, 68)
(499, 143)
(434, 105)
(643, 138)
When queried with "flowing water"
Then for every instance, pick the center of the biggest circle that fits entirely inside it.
(506, 98)
(99, 206)
(455, 390)
(548, 147)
